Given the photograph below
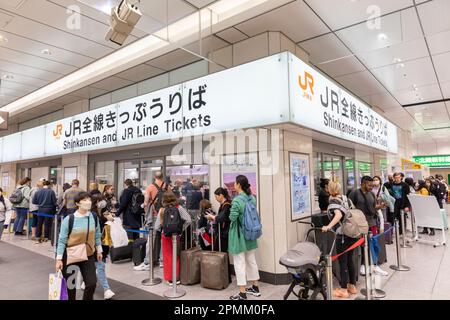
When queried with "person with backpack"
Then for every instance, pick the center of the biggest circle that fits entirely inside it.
(98, 208)
(365, 200)
(45, 199)
(80, 245)
(245, 229)
(20, 199)
(5, 206)
(173, 219)
(337, 210)
(153, 202)
(131, 206)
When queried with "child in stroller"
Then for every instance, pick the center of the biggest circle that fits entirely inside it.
(307, 265)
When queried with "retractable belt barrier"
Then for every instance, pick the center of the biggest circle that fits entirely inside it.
(352, 247)
(45, 215)
(137, 231)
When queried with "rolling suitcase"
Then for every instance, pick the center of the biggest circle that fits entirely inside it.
(139, 251)
(214, 268)
(190, 264)
(121, 253)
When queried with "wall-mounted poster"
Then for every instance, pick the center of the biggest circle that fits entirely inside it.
(70, 173)
(240, 164)
(300, 185)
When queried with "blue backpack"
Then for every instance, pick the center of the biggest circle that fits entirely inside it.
(251, 222)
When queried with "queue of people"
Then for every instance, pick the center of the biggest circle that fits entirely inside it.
(371, 198)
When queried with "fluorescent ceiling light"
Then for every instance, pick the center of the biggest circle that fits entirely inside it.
(182, 30)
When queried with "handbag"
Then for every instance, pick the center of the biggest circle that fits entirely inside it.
(78, 253)
(57, 287)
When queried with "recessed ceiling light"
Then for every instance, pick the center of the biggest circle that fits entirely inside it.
(397, 60)
(7, 77)
(400, 65)
(3, 39)
(382, 36)
(46, 52)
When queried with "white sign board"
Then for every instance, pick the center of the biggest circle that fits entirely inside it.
(426, 211)
(320, 104)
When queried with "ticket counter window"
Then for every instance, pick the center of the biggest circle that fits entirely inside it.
(127, 170)
(104, 174)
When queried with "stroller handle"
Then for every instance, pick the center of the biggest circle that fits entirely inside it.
(320, 229)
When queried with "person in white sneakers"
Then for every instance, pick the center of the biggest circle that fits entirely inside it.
(364, 200)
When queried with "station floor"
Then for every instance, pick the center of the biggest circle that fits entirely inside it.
(25, 266)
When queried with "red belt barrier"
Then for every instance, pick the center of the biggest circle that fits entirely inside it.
(352, 247)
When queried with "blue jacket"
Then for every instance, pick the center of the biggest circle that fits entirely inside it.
(45, 199)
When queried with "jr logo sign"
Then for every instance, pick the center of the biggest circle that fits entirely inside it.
(307, 83)
(57, 132)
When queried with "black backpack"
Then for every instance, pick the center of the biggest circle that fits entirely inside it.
(137, 200)
(157, 202)
(173, 223)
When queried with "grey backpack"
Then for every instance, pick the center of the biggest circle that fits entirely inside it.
(17, 196)
(355, 223)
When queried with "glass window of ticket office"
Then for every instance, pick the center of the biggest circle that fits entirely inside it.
(336, 168)
(141, 172)
(363, 169)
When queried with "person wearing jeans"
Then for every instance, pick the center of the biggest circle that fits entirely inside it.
(45, 199)
(22, 207)
(242, 250)
(5, 206)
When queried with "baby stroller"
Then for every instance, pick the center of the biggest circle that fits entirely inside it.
(307, 265)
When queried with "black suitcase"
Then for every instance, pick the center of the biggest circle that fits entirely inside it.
(121, 253)
(139, 251)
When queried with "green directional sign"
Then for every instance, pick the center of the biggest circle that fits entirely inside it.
(434, 161)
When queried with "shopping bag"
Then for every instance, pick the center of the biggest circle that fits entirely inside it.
(57, 287)
(118, 234)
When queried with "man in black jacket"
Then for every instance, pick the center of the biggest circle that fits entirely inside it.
(130, 220)
(45, 199)
(399, 190)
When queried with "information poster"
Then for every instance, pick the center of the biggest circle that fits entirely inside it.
(240, 164)
(70, 173)
(300, 186)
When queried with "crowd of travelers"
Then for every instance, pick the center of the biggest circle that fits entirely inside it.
(379, 203)
(84, 238)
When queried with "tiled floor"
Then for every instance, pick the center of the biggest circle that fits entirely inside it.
(428, 279)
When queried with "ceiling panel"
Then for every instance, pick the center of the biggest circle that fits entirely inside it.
(434, 16)
(15, 85)
(417, 72)
(361, 83)
(395, 54)
(61, 39)
(394, 29)
(325, 48)
(430, 115)
(295, 20)
(24, 79)
(422, 94)
(440, 134)
(442, 65)
(9, 67)
(446, 89)
(439, 42)
(166, 11)
(342, 13)
(384, 101)
(32, 47)
(232, 35)
(342, 66)
(30, 60)
(67, 99)
(173, 60)
(89, 92)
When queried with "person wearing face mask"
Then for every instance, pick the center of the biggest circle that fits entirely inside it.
(99, 205)
(81, 230)
(378, 191)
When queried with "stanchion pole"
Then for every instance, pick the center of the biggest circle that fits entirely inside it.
(376, 293)
(175, 292)
(151, 281)
(28, 225)
(329, 275)
(368, 289)
(55, 233)
(402, 221)
(399, 266)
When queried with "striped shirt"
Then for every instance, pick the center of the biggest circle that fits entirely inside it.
(69, 195)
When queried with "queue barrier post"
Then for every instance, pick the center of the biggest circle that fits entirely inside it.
(329, 276)
(174, 292)
(399, 266)
(376, 293)
(368, 291)
(403, 235)
(151, 281)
